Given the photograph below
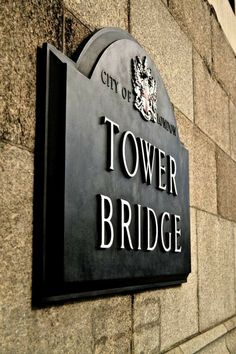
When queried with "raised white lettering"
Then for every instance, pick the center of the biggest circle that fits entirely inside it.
(106, 203)
(149, 213)
(172, 175)
(166, 216)
(113, 128)
(125, 224)
(136, 155)
(148, 158)
(177, 233)
(161, 169)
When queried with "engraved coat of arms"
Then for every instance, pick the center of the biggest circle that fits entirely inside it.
(145, 89)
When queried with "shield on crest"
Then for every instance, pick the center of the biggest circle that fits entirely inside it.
(145, 89)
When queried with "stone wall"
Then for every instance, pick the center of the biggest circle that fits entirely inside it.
(199, 70)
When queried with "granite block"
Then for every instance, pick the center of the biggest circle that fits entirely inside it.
(215, 269)
(157, 31)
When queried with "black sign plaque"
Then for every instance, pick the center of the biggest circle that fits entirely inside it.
(115, 195)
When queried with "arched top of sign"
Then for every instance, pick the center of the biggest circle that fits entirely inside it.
(115, 57)
(96, 46)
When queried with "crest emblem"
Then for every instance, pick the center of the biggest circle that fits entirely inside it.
(145, 89)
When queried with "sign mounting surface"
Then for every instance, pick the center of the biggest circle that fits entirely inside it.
(116, 199)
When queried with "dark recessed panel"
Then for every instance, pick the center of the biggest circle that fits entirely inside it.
(115, 194)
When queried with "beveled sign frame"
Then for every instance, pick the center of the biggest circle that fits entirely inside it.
(93, 117)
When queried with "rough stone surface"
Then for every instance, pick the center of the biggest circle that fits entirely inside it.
(153, 26)
(58, 330)
(120, 344)
(16, 178)
(234, 231)
(204, 173)
(179, 306)
(226, 185)
(175, 351)
(106, 324)
(217, 347)
(232, 112)
(186, 133)
(231, 323)
(224, 60)
(194, 18)
(75, 33)
(77, 327)
(196, 344)
(26, 25)
(111, 326)
(210, 105)
(202, 164)
(146, 322)
(230, 340)
(80, 327)
(146, 341)
(100, 13)
(215, 269)
(146, 310)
